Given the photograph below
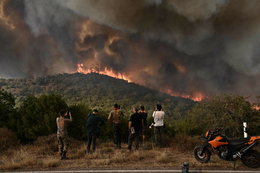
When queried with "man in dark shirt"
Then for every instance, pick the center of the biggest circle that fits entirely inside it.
(144, 114)
(93, 123)
(135, 126)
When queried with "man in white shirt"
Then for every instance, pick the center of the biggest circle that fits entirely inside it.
(158, 117)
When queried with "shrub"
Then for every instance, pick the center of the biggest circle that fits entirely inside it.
(8, 139)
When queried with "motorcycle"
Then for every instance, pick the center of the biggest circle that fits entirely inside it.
(227, 149)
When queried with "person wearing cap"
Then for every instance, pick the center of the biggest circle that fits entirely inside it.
(93, 129)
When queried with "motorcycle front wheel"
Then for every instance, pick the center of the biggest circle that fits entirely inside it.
(202, 155)
(251, 159)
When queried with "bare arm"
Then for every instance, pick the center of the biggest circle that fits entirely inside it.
(129, 125)
(109, 116)
(70, 118)
(57, 119)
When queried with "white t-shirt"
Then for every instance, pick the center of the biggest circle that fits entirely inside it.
(158, 117)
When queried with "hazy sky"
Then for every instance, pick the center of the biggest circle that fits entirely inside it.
(178, 46)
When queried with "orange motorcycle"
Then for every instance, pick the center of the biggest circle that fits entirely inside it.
(227, 149)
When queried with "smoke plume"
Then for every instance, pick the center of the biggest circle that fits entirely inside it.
(181, 47)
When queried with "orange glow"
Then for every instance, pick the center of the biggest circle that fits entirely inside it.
(181, 68)
(5, 19)
(255, 107)
(109, 72)
(106, 71)
(197, 96)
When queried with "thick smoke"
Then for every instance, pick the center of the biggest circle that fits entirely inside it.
(171, 45)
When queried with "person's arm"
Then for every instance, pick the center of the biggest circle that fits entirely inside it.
(57, 122)
(153, 114)
(129, 125)
(70, 119)
(109, 116)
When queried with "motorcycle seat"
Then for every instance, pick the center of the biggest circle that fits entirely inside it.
(238, 141)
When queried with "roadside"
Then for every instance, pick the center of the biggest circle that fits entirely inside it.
(42, 155)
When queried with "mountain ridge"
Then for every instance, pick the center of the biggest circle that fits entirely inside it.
(96, 90)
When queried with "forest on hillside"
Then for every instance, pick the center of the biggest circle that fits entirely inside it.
(35, 116)
(98, 91)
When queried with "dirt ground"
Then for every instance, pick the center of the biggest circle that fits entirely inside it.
(43, 155)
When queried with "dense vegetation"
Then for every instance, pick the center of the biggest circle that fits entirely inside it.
(34, 114)
(98, 91)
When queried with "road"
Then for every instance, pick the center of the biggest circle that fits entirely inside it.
(141, 171)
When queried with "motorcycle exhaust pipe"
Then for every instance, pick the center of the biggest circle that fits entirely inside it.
(241, 152)
(247, 148)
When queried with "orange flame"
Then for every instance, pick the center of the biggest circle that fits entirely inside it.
(197, 96)
(106, 71)
(255, 107)
(5, 19)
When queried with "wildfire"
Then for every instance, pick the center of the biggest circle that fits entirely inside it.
(106, 71)
(198, 96)
(109, 72)
(255, 107)
(5, 19)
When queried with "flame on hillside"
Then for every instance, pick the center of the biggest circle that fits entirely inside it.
(3, 17)
(105, 71)
(255, 107)
(197, 96)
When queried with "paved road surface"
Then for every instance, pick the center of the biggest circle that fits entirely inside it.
(142, 171)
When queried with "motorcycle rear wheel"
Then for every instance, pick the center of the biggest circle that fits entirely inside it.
(201, 155)
(251, 159)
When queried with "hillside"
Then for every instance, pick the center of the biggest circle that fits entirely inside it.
(97, 91)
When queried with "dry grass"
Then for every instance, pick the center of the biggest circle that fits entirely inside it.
(7, 139)
(42, 155)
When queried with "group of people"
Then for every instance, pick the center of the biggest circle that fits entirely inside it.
(137, 125)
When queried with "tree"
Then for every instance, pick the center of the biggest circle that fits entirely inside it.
(225, 111)
(37, 116)
(7, 104)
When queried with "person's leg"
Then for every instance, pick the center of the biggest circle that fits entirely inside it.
(94, 138)
(89, 142)
(117, 133)
(60, 146)
(65, 146)
(137, 140)
(156, 135)
(162, 136)
(130, 141)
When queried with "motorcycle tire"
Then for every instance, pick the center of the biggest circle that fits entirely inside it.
(251, 159)
(201, 157)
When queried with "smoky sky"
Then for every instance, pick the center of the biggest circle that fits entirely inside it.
(211, 47)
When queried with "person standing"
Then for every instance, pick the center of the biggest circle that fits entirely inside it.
(158, 117)
(93, 128)
(135, 126)
(143, 113)
(116, 117)
(62, 134)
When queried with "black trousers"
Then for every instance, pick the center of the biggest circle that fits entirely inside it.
(117, 135)
(159, 136)
(92, 138)
(134, 138)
